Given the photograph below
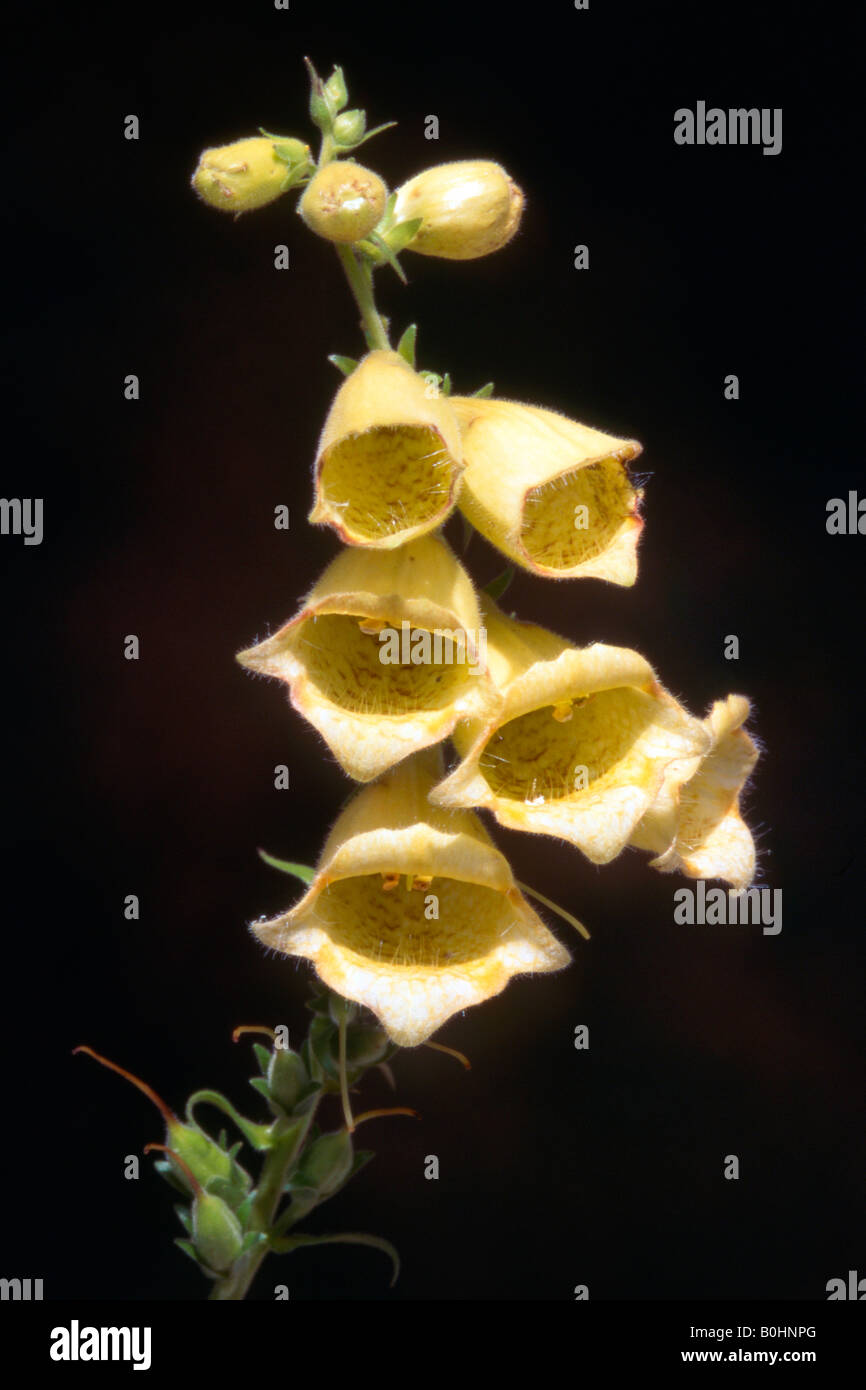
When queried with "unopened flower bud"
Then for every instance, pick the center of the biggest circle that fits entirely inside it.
(349, 127)
(243, 176)
(343, 202)
(216, 1232)
(467, 209)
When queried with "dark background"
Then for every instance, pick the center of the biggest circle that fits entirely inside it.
(156, 777)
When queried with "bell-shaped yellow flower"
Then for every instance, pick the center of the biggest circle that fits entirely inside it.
(581, 745)
(385, 655)
(555, 496)
(389, 461)
(413, 912)
(694, 825)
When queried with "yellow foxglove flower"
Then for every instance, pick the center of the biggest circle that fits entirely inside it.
(555, 496)
(248, 174)
(385, 656)
(696, 828)
(467, 209)
(343, 201)
(581, 745)
(389, 460)
(413, 912)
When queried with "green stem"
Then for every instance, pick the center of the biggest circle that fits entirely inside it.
(235, 1285)
(360, 280)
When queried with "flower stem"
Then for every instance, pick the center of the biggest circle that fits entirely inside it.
(235, 1285)
(360, 280)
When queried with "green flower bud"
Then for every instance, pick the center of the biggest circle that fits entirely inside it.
(343, 202)
(467, 209)
(243, 176)
(336, 90)
(287, 1077)
(216, 1232)
(326, 1163)
(366, 1045)
(349, 127)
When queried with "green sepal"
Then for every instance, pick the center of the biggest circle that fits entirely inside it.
(446, 384)
(321, 108)
(484, 391)
(327, 1163)
(399, 236)
(498, 586)
(287, 1078)
(301, 871)
(184, 1216)
(366, 1045)
(346, 365)
(188, 1248)
(263, 1057)
(323, 1044)
(259, 1083)
(217, 1233)
(307, 1096)
(257, 1135)
(336, 91)
(204, 1157)
(251, 1239)
(406, 345)
(285, 1244)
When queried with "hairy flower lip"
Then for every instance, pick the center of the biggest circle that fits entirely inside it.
(421, 583)
(451, 961)
(380, 456)
(518, 458)
(534, 669)
(694, 827)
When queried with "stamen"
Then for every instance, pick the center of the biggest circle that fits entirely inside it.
(562, 711)
(389, 881)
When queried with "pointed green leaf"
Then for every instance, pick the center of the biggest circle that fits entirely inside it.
(406, 345)
(377, 130)
(286, 1244)
(263, 1057)
(498, 586)
(446, 384)
(346, 365)
(484, 391)
(301, 871)
(259, 1083)
(257, 1135)
(385, 250)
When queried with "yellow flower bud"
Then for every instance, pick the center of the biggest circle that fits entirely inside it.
(385, 655)
(588, 778)
(467, 209)
(554, 495)
(389, 458)
(343, 201)
(694, 825)
(413, 912)
(243, 176)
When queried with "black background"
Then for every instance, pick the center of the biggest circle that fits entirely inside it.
(156, 778)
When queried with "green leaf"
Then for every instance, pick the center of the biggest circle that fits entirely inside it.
(286, 1244)
(257, 1135)
(402, 233)
(497, 587)
(406, 345)
(346, 365)
(484, 391)
(385, 250)
(301, 871)
(377, 130)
